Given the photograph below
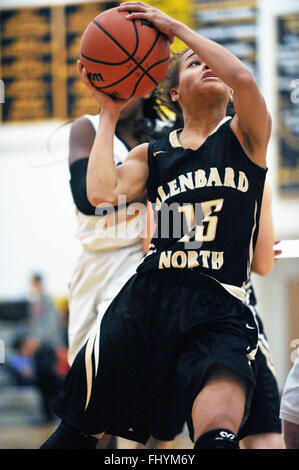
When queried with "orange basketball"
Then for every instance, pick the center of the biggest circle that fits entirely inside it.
(124, 58)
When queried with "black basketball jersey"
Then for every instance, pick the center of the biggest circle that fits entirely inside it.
(206, 205)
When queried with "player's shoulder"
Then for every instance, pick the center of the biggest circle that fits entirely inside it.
(84, 123)
(161, 144)
(81, 138)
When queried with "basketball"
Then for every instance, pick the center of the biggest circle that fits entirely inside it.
(124, 58)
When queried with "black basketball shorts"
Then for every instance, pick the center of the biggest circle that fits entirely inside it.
(142, 368)
(264, 412)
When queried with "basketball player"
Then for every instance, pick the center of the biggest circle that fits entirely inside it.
(178, 341)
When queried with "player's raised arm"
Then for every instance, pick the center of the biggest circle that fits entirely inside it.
(252, 122)
(104, 181)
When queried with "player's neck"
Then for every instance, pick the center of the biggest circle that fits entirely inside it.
(198, 126)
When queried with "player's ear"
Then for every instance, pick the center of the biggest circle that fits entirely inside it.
(174, 94)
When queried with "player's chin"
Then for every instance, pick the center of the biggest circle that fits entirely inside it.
(212, 82)
(213, 85)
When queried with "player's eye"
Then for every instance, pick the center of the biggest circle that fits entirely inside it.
(194, 62)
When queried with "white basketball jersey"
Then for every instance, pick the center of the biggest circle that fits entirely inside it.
(122, 227)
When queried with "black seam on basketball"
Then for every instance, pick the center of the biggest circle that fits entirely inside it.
(118, 81)
(147, 54)
(103, 62)
(130, 57)
(146, 73)
(138, 81)
(152, 66)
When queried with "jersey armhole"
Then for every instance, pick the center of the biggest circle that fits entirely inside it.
(251, 162)
(151, 173)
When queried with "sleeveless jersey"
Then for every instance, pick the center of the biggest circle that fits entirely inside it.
(206, 207)
(120, 228)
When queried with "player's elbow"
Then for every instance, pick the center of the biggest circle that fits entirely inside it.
(244, 79)
(263, 266)
(97, 198)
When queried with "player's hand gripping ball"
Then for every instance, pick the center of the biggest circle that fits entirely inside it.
(124, 58)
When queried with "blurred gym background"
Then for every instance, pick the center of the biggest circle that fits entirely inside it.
(40, 93)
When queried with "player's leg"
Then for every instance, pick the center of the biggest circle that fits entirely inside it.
(269, 440)
(291, 434)
(218, 409)
(216, 371)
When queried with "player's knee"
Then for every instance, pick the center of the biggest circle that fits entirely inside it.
(217, 439)
(220, 416)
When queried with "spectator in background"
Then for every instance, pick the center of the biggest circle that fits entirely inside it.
(45, 327)
(44, 322)
(20, 363)
(35, 364)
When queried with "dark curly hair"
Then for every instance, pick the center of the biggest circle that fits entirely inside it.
(145, 128)
(170, 81)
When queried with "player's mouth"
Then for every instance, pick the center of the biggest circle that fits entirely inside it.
(208, 74)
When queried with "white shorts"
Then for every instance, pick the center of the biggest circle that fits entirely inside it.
(289, 407)
(96, 280)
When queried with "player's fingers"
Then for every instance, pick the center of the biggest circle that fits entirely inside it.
(170, 38)
(82, 72)
(80, 67)
(148, 16)
(276, 254)
(84, 77)
(136, 5)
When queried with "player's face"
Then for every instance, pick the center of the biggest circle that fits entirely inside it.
(197, 78)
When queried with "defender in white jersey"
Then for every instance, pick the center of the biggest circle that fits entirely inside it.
(106, 261)
(111, 240)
